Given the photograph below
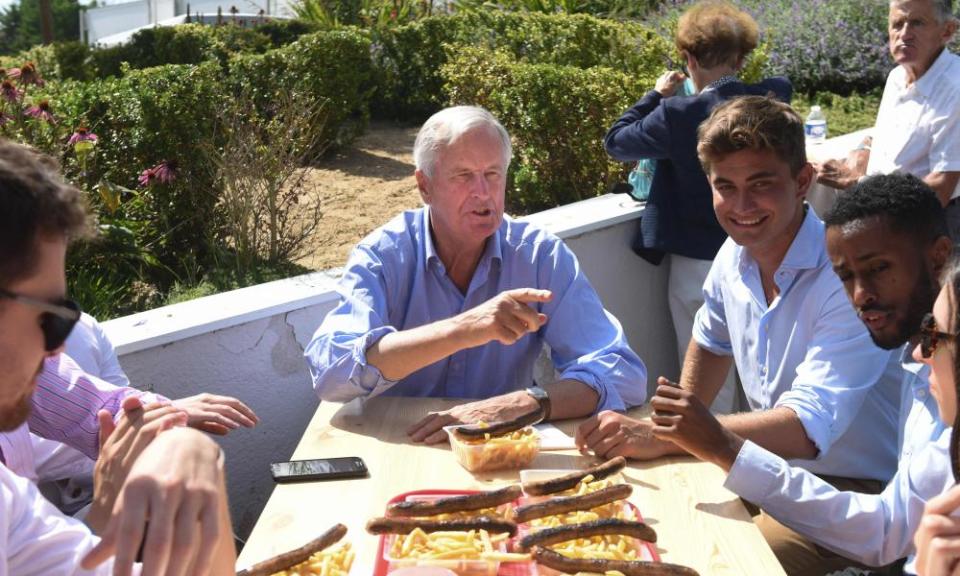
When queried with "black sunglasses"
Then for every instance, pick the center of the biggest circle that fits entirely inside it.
(58, 318)
(930, 337)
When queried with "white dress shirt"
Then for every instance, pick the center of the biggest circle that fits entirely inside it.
(875, 529)
(36, 539)
(806, 351)
(918, 126)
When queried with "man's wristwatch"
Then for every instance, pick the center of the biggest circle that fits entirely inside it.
(542, 398)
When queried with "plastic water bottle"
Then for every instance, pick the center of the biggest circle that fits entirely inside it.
(816, 126)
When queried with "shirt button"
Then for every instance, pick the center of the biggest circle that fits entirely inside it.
(921, 393)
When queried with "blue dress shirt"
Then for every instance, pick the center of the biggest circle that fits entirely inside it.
(875, 529)
(395, 281)
(806, 351)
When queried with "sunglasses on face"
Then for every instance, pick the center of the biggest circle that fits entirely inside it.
(930, 337)
(56, 321)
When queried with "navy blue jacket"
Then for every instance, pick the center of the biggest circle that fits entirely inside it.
(679, 217)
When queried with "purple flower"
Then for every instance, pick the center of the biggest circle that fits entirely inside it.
(82, 135)
(164, 172)
(4, 118)
(27, 74)
(41, 111)
(9, 92)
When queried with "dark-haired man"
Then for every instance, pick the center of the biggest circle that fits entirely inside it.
(149, 466)
(819, 391)
(887, 241)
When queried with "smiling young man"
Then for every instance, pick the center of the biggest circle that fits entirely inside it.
(150, 467)
(918, 124)
(819, 391)
(457, 300)
(887, 240)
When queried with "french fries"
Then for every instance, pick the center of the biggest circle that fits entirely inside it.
(510, 451)
(334, 561)
(472, 545)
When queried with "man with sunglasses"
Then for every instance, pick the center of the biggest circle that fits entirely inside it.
(150, 465)
(887, 240)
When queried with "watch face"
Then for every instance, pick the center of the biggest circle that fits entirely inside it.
(538, 393)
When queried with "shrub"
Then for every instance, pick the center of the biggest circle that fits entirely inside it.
(160, 45)
(409, 57)
(331, 66)
(557, 117)
(244, 39)
(844, 113)
(283, 32)
(821, 45)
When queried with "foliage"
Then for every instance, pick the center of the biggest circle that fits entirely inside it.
(557, 117)
(269, 209)
(235, 38)
(409, 57)
(160, 45)
(20, 24)
(331, 66)
(373, 14)
(602, 8)
(283, 32)
(844, 113)
(821, 45)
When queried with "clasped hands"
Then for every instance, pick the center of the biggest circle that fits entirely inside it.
(681, 423)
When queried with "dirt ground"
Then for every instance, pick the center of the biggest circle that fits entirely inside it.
(362, 187)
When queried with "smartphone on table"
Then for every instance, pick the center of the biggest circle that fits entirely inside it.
(319, 469)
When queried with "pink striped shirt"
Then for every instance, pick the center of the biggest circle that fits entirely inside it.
(64, 408)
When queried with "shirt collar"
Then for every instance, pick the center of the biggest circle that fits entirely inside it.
(492, 251)
(807, 249)
(919, 370)
(928, 82)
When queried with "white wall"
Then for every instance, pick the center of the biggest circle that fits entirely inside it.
(115, 18)
(249, 343)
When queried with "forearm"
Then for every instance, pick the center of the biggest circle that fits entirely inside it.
(778, 430)
(944, 184)
(571, 399)
(704, 372)
(225, 553)
(399, 354)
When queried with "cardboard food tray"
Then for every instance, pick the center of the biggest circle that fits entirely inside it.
(382, 567)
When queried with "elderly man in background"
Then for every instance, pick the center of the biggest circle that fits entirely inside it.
(918, 124)
(457, 299)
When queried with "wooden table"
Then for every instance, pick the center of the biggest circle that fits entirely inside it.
(699, 523)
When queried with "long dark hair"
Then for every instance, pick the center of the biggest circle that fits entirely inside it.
(951, 278)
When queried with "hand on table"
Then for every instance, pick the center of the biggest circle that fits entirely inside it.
(610, 434)
(429, 430)
(668, 82)
(176, 484)
(216, 414)
(938, 537)
(505, 318)
(681, 418)
(121, 443)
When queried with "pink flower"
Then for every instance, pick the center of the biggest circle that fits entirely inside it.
(9, 92)
(41, 111)
(82, 135)
(27, 74)
(4, 118)
(164, 172)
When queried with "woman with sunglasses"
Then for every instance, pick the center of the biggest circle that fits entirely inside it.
(714, 39)
(938, 537)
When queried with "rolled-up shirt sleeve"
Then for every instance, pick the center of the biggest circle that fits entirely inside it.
(66, 402)
(875, 529)
(337, 354)
(710, 329)
(587, 343)
(840, 368)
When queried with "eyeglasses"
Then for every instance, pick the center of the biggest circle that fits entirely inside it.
(56, 322)
(930, 337)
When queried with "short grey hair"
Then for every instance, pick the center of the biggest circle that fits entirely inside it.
(942, 8)
(447, 126)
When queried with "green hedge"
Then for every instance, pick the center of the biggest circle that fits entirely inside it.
(557, 117)
(409, 57)
(334, 66)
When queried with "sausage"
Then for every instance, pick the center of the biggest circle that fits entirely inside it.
(569, 481)
(294, 557)
(501, 428)
(408, 525)
(563, 504)
(569, 565)
(465, 503)
(604, 527)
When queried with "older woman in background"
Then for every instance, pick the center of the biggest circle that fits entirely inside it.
(714, 39)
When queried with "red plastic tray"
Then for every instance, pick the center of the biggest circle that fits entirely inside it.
(506, 569)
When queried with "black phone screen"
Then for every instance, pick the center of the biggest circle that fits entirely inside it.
(319, 469)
